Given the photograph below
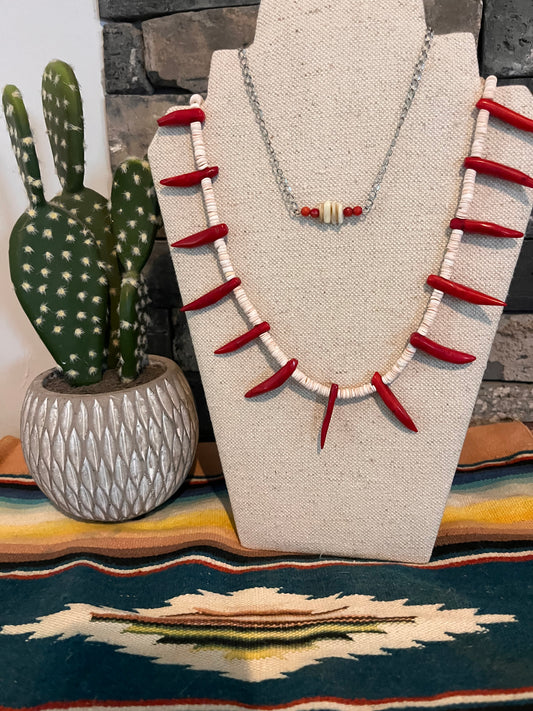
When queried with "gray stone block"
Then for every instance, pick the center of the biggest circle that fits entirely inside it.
(520, 297)
(513, 81)
(511, 358)
(159, 332)
(161, 278)
(132, 122)
(499, 401)
(206, 429)
(183, 351)
(124, 60)
(144, 9)
(447, 16)
(178, 47)
(508, 38)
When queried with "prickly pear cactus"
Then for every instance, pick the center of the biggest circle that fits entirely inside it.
(55, 265)
(63, 113)
(134, 216)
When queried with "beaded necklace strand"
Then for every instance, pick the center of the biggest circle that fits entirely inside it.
(331, 211)
(441, 283)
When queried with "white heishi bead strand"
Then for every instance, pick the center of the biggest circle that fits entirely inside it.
(345, 393)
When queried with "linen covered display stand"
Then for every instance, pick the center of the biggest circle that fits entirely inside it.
(344, 300)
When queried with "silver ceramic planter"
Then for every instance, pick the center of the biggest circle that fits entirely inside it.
(111, 456)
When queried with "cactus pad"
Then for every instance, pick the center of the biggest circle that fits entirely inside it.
(22, 142)
(135, 219)
(134, 213)
(91, 209)
(63, 114)
(61, 285)
(133, 323)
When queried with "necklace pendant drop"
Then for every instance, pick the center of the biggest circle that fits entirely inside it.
(331, 212)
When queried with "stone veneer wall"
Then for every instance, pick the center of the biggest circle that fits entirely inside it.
(157, 52)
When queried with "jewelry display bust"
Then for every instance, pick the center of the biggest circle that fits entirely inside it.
(346, 298)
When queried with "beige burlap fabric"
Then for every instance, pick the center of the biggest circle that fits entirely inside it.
(332, 78)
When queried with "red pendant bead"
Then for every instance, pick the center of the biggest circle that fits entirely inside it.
(211, 234)
(275, 381)
(484, 228)
(243, 340)
(436, 350)
(358, 210)
(305, 211)
(460, 291)
(329, 412)
(392, 402)
(498, 170)
(315, 213)
(507, 115)
(182, 117)
(348, 212)
(213, 296)
(189, 179)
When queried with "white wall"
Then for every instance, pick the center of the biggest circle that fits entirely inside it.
(31, 34)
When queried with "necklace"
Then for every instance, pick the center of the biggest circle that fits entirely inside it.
(331, 211)
(441, 284)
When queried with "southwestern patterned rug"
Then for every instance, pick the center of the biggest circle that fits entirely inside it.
(170, 612)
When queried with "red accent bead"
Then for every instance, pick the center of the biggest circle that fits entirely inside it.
(358, 210)
(334, 391)
(484, 228)
(182, 117)
(315, 212)
(348, 212)
(275, 381)
(498, 170)
(392, 402)
(305, 211)
(439, 351)
(211, 234)
(505, 114)
(213, 296)
(460, 291)
(241, 341)
(186, 180)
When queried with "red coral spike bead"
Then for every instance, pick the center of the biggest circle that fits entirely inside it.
(243, 340)
(452, 288)
(498, 170)
(305, 211)
(392, 402)
(484, 228)
(211, 234)
(189, 179)
(509, 116)
(439, 351)
(275, 381)
(329, 412)
(182, 117)
(213, 296)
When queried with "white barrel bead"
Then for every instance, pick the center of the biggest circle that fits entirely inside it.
(331, 212)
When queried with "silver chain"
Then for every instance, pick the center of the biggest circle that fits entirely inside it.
(283, 184)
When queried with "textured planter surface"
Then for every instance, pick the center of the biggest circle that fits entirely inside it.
(111, 456)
